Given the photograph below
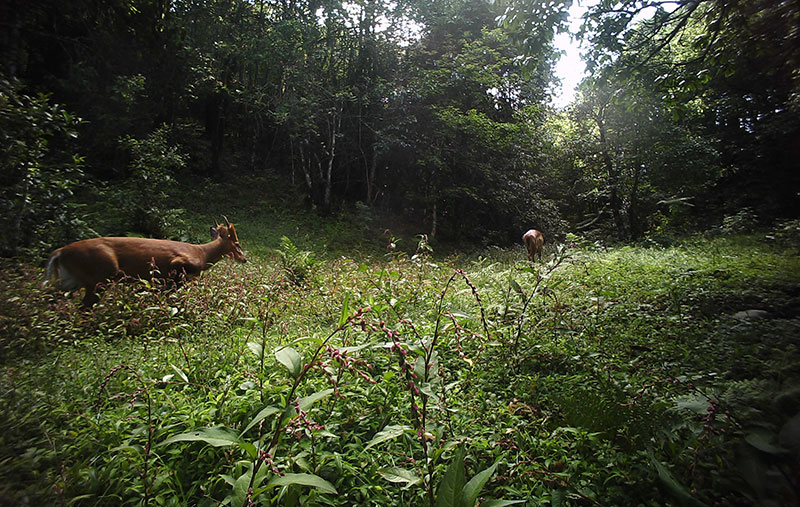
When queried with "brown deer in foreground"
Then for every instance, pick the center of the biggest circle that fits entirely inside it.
(89, 262)
(534, 241)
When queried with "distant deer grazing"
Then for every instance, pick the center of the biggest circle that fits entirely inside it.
(534, 241)
(89, 262)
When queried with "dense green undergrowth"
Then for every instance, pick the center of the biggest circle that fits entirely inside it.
(626, 376)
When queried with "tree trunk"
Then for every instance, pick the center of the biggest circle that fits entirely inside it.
(291, 157)
(634, 225)
(613, 181)
(372, 170)
(305, 165)
(434, 220)
(334, 130)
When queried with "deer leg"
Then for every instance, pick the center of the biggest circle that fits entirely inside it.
(182, 271)
(90, 298)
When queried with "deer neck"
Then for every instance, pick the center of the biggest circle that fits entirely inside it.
(213, 250)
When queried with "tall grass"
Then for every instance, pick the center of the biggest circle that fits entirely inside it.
(611, 377)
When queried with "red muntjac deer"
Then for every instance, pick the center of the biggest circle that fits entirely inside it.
(534, 241)
(89, 262)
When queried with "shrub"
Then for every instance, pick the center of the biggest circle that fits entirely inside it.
(145, 196)
(744, 221)
(38, 172)
(297, 264)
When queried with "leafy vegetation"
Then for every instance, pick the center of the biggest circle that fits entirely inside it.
(609, 376)
(385, 344)
(37, 177)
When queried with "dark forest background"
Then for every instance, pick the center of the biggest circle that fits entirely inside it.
(434, 112)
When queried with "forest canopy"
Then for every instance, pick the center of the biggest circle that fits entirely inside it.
(436, 112)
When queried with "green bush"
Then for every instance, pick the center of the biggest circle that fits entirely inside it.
(743, 222)
(298, 265)
(145, 196)
(38, 173)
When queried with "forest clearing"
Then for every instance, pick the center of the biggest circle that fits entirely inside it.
(618, 376)
(390, 334)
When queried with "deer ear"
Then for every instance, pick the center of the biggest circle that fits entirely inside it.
(214, 233)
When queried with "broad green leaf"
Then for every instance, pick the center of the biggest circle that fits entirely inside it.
(419, 369)
(74, 500)
(138, 449)
(247, 385)
(475, 485)
(461, 315)
(675, 488)
(250, 449)
(515, 286)
(241, 487)
(217, 436)
(357, 347)
(500, 503)
(399, 475)
(761, 441)
(264, 413)
(255, 348)
(450, 487)
(305, 403)
(180, 373)
(427, 391)
(388, 433)
(345, 311)
(311, 480)
(289, 357)
(242, 484)
(696, 404)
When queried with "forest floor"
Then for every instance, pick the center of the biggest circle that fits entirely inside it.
(328, 371)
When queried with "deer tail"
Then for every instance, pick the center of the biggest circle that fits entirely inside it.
(52, 267)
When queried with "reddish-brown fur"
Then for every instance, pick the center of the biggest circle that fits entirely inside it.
(92, 261)
(534, 242)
